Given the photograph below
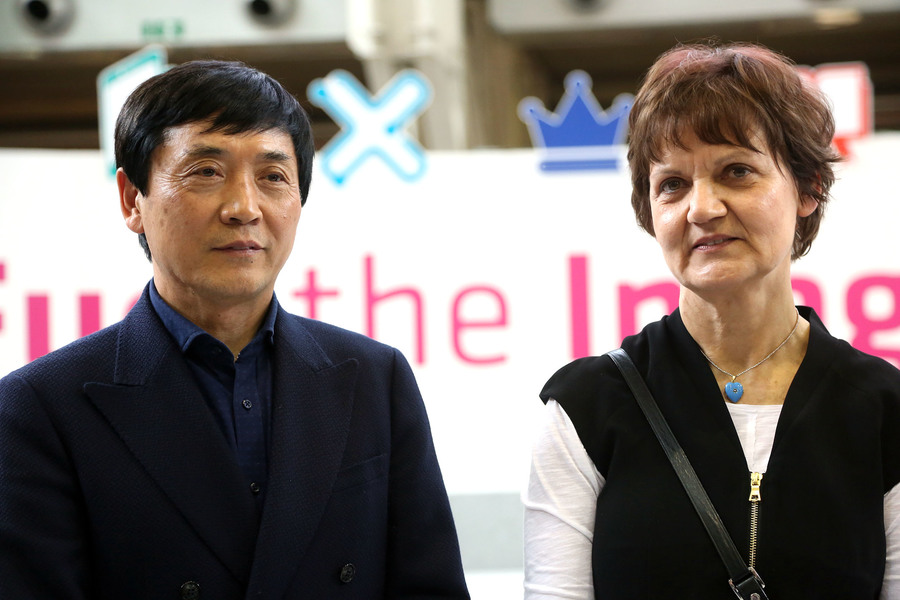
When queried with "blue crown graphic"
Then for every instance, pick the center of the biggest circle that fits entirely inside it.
(580, 135)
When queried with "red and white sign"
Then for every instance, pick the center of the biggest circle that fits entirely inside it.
(848, 87)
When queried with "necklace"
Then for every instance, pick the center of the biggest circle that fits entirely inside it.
(733, 389)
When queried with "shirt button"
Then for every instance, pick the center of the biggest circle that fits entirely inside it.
(347, 573)
(254, 487)
(190, 590)
(247, 404)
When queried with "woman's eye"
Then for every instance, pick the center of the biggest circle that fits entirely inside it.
(670, 185)
(740, 171)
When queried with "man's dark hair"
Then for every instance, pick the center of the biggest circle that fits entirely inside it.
(234, 97)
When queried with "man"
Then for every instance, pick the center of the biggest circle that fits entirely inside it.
(211, 445)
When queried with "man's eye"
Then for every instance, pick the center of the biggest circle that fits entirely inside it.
(276, 177)
(206, 172)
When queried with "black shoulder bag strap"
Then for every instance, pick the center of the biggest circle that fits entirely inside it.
(744, 580)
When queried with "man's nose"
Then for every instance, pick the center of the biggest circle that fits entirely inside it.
(241, 202)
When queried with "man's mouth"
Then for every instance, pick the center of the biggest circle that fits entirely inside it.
(241, 246)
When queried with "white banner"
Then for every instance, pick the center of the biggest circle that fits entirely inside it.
(487, 273)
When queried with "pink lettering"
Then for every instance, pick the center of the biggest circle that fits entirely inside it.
(579, 315)
(38, 326)
(131, 303)
(810, 294)
(630, 297)
(373, 298)
(90, 313)
(866, 325)
(312, 293)
(459, 324)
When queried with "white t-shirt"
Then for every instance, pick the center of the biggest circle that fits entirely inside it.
(561, 500)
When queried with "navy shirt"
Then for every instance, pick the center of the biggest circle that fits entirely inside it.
(238, 391)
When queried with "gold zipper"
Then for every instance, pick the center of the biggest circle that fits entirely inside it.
(755, 498)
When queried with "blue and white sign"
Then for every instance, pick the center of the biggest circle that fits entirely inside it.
(580, 135)
(372, 125)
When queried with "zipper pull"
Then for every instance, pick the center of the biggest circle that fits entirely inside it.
(755, 481)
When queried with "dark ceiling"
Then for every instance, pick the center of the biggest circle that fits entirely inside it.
(50, 100)
(616, 60)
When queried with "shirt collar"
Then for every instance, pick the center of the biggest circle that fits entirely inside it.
(186, 332)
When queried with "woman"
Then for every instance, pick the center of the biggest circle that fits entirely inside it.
(731, 165)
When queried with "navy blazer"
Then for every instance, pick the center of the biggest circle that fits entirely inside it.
(116, 482)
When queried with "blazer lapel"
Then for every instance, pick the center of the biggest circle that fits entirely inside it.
(159, 412)
(312, 404)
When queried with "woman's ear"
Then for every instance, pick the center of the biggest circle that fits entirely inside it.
(129, 202)
(808, 203)
(807, 206)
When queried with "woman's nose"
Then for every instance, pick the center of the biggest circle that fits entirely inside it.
(706, 203)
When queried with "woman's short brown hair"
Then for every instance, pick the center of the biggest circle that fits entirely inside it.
(723, 94)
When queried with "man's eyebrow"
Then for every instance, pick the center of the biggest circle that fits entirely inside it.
(204, 150)
(276, 156)
(201, 151)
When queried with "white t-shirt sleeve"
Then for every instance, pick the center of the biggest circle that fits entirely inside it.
(890, 589)
(560, 505)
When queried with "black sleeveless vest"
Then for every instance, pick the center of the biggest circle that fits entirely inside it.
(836, 453)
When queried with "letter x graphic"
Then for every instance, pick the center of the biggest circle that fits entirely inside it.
(371, 125)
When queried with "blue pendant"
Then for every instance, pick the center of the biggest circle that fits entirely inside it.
(734, 390)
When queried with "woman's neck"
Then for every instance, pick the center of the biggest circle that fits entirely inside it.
(739, 331)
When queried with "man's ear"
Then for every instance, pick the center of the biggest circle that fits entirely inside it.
(129, 197)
